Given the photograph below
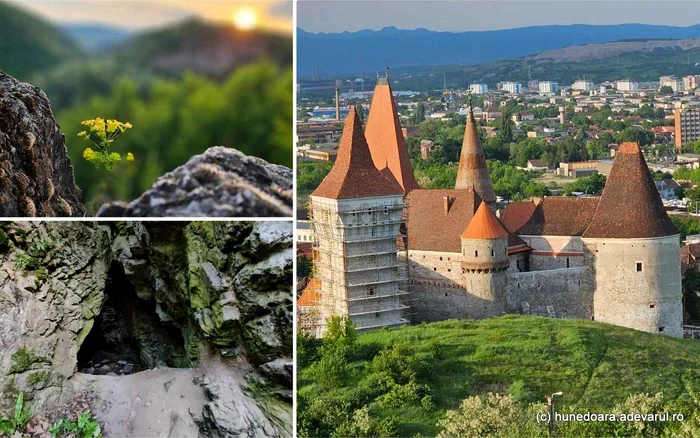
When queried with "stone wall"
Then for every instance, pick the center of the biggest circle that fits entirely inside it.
(558, 293)
(639, 283)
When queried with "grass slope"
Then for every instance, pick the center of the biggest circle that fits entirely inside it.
(28, 44)
(595, 365)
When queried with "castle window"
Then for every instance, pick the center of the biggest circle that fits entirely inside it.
(661, 329)
(652, 305)
(639, 266)
(449, 270)
(567, 262)
(476, 253)
(492, 253)
(435, 269)
(440, 258)
(370, 292)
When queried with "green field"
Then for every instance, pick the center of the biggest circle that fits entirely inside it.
(596, 366)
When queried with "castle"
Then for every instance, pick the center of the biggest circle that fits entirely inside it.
(389, 253)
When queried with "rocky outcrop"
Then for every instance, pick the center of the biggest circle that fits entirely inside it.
(221, 292)
(222, 182)
(36, 175)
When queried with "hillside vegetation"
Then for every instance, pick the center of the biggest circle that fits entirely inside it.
(29, 44)
(404, 380)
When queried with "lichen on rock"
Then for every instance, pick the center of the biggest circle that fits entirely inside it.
(221, 182)
(36, 175)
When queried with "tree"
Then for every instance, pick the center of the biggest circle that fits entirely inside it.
(666, 90)
(419, 115)
(361, 113)
(491, 415)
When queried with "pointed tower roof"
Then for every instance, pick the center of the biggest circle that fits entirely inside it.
(354, 174)
(484, 225)
(472, 169)
(630, 206)
(386, 142)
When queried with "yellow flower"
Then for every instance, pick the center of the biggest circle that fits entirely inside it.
(114, 156)
(129, 157)
(82, 134)
(127, 125)
(88, 154)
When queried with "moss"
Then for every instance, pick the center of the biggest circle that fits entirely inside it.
(4, 241)
(23, 360)
(27, 262)
(38, 377)
(200, 296)
(84, 332)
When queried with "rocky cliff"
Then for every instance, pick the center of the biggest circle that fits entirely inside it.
(36, 175)
(163, 327)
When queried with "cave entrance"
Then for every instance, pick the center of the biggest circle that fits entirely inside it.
(127, 336)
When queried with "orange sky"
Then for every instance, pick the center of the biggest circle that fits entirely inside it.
(139, 14)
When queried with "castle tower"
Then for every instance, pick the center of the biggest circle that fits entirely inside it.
(356, 214)
(636, 251)
(385, 138)
(484, 263)
(472, 170)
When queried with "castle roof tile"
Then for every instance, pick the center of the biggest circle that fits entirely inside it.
(630, 206)
(484, 225)
(385, 138)
(354, 174)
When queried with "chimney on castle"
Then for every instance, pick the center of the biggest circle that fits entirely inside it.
(446, 204)
(337, 104)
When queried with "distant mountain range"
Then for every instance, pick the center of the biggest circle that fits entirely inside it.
(96, 37)
(361, 52)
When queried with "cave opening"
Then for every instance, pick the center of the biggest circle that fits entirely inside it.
(127, 335)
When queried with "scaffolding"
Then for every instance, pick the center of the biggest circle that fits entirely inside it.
(360, 257)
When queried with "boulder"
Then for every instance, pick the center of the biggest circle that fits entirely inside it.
(36, 175)
(222, 182)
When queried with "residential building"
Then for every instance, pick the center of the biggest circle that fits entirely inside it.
(667, 188)
(627, 85)
(548, 87)
(512, 87)
(478, 88)
(687, 126)
(582, 85)
(673, 82)
(690, 82)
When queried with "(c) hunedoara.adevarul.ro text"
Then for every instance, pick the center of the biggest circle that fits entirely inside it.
(545, 417)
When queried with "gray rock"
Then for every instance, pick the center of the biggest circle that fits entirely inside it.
(36, 175)
(222, 182)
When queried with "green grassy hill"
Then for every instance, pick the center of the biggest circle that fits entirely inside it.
(596, 366)
(28, 44)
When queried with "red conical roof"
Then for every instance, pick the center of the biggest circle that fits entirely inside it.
(386, 142)
(472, 171)
(484, 225)
(630, 206)
(354, 174)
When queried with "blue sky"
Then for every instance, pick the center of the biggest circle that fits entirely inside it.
(466, 15)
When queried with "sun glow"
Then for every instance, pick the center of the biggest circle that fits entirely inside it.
(245, 19)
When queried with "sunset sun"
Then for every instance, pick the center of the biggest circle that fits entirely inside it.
(245, 19)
